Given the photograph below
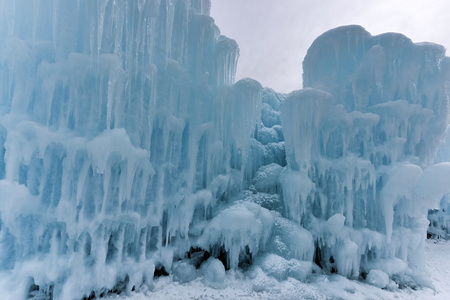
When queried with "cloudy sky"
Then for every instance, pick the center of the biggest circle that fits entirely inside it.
(274, 35)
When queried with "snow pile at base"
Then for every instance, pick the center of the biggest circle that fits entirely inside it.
(184, 272)
(128, 154)
(243, 227)
(279, 268)
(377, 278)
(213, 270)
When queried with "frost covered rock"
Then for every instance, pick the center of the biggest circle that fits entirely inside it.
(213, 270)
(243, 227)
(269, 116)
(267, 136)
(272, 202)
(273, 99)
(267, 177)
(280, 268)
(184, 272)
(279, 131)
(291, 241)
(377, 278)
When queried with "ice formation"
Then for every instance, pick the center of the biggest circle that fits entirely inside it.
(360, 141)
(439, 215)
(127, 151)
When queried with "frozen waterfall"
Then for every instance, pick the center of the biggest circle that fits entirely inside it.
(128, 151)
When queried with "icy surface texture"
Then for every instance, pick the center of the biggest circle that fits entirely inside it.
(184, 272)
(439, 218)
(239, 228)
(360, 139)
(377, 278)
(213, 270)
(121, 128)
(280, 268)
(439, 215)
(128, 152)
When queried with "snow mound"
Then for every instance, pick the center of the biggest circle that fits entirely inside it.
(184, 272)
(213, 270)
(243, 227)
(377, 278)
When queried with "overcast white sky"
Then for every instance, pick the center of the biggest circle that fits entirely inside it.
(274, 35)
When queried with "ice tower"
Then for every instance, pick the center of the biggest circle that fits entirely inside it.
(360, 139)
(127, 150)
(120, 128)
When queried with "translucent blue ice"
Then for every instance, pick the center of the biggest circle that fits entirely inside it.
(128, 152)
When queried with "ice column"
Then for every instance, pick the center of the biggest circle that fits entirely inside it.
(120, 127)
(360, 139)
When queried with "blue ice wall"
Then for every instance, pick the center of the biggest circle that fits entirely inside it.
(120, 127)
(126, 145)
(361, 139)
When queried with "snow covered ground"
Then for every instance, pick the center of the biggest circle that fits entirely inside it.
(255, 285)
(438, 262)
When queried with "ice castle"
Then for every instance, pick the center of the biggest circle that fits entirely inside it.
(128, 151)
